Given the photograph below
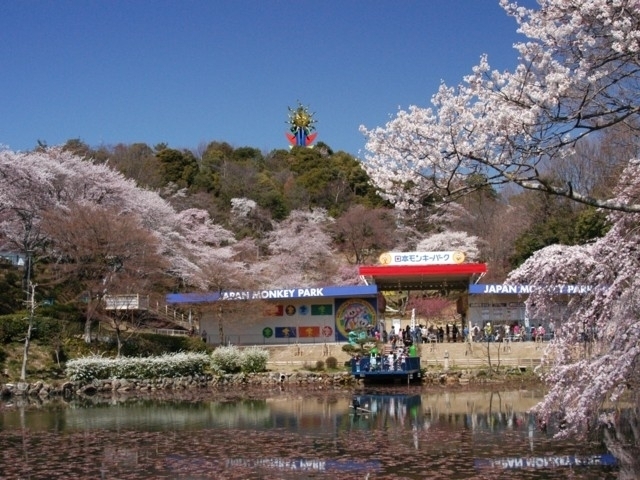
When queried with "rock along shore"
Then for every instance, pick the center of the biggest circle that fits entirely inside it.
(267, 380)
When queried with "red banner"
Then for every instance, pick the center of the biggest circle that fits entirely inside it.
(272, 310)
(308, 331)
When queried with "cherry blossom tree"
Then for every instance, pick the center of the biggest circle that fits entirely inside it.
(450, 240)
(97, 251)
(32, 183)
(577, 76)
(594, 358)
(577, 79)
(299, 251)
(363, 233)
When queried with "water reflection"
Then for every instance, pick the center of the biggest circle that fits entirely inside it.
(372, 434)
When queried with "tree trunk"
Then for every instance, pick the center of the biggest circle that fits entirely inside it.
(220, 326)
(27, 338)
(91, 309)
(119, 340)
(87, 330)
(25, 356)
(489, 355)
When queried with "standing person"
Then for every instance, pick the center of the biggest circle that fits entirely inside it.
(540, 333)
(454, 332)
(448, 334)
(488, 332)
(417, 334)
(475, 333)
(204, 336)
(424, 333)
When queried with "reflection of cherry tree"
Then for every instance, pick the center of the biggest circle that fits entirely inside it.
(622, 438)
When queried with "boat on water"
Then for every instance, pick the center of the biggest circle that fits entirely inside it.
(390, 368)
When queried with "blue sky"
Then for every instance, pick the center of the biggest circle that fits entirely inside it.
(188, 72)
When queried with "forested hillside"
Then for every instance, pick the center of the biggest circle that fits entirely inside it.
(136, 218)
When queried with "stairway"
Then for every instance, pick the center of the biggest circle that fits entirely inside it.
(176, 317)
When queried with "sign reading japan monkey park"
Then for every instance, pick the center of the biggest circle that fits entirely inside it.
(422, 258)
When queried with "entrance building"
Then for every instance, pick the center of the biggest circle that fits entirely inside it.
(328, 314)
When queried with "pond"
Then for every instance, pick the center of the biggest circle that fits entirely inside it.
(401, 433)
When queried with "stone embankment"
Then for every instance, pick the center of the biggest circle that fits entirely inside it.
(306, 380)
(445, 363)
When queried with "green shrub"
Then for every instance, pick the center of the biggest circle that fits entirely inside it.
(319, 365)
(231, 359)
(173, 365)
(332, 363)
(13, 328)
(254, 360)
(62, 311)
(226, 360)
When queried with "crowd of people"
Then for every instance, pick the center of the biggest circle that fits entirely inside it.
(452, 333)
(511, 332)
(424, 334)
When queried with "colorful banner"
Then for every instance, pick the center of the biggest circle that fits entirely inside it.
(322, 309)
(309, 332)
(285, 332)
(273, 310)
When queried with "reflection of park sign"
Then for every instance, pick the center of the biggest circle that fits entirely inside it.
(421, 258)
(526, 289)
(302, 464)
(189, 463)
(552, 461)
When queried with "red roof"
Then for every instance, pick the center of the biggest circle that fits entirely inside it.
(423, 277)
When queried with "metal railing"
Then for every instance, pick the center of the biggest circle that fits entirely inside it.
(172, 332)
(187, 321)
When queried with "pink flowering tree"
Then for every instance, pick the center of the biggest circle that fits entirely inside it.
(577, 75)
(299, 251)
(594, 358)
(451, 240)
(50, 181)
(575, 82)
